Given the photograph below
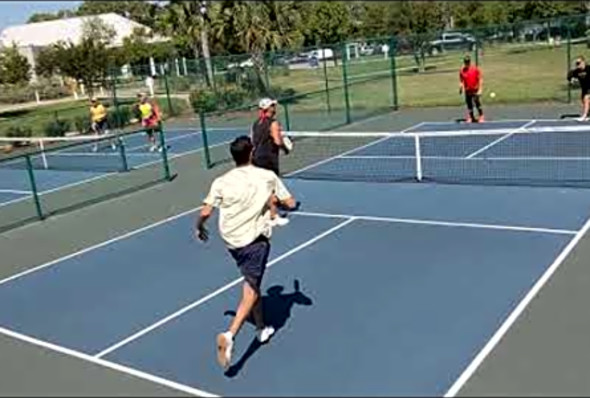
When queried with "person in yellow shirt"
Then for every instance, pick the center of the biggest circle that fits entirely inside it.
(98, 117)
(150, 117)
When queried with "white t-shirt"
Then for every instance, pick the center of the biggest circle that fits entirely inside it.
(242, 196)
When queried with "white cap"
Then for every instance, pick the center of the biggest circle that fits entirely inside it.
(266, 103)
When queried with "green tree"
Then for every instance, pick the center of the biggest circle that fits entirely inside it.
(48, 16)
(87, 61)
(326, 22)
(14, 67)
(143, 12)
(140, 47)
(260, 27)
(186, 22)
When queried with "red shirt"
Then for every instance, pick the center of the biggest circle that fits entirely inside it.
(470, 77)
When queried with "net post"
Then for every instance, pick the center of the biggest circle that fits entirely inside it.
(207, 157)
(167, 175)
(418, 158)
(326, 84)
(121, 144)
(287, 119)
(392, 66)
(34, 187)
(345, 82)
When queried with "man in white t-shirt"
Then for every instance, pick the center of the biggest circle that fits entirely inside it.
(244, 196)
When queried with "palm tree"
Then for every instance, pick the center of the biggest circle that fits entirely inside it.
(260, 27)
(185, 18)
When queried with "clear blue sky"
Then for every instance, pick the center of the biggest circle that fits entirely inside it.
(17, 12)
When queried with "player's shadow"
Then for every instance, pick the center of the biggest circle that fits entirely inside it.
(276, 307)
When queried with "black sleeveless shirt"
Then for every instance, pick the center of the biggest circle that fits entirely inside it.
(266, 152)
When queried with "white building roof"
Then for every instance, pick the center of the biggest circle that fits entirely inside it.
(45, 33)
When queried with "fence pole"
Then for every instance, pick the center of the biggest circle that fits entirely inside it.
(326, 84)
(569, 61)
(115, 100)
(345, 81)
(167, 86)
(474, 33)
(34, 187)
(164, 149)
(207, 157)
(287, 120)
(392, 54)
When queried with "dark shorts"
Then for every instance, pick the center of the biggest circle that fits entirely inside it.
(101, 125)
(585, 92)
(268, 164)
(252, 259)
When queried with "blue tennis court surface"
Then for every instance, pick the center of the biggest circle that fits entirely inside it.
(375, 289)
(80, 164)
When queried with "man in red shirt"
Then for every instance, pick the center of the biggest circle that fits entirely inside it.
(471, 83)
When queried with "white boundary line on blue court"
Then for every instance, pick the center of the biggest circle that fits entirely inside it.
(106, 364)
(97, 246)
(497, 141)
(15, 191)
(415, 221)
(217, 292)
(515, 314)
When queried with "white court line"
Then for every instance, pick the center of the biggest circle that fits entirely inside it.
(552, 158)
(106, 364)
(15, 191)
(442, 223)
(515, 314)
(491, 144)
(329, 159)
(217, 292)
(99, 245)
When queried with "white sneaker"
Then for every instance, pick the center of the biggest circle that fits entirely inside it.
(279, 221)
(153, 148)
(265, 334)
(113, 147)
(582, 119)
(225, 346)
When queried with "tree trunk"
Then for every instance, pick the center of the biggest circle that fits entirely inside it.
(259, 67)
(197, 63)
(207, 56)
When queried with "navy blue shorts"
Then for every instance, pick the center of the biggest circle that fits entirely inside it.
(252, 259)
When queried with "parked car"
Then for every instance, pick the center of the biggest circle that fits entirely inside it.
(452, 41)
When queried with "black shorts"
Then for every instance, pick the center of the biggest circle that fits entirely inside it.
(268, 164)
(252, 259)
(101, 125)
(585, 92)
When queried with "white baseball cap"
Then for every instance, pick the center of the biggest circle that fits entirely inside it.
(266, 103)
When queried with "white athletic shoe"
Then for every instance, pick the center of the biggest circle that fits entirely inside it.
(582, 119)
(225, 346)
(279, 221)
(113, 146)
(265, 334)
(153, 148)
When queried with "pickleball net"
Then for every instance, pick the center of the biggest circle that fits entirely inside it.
(540, 156)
